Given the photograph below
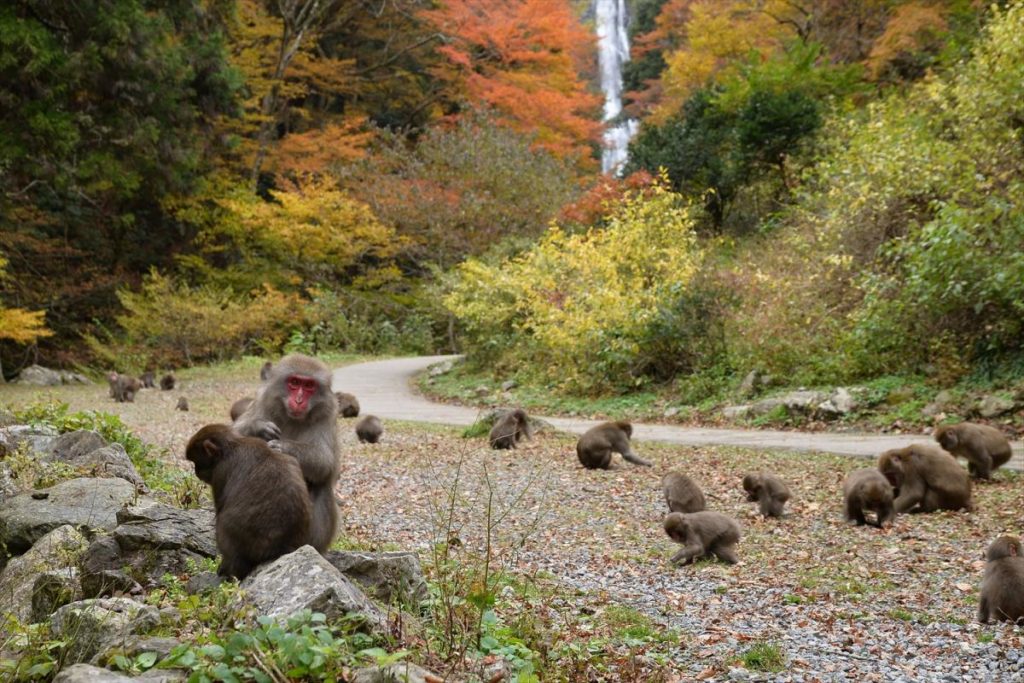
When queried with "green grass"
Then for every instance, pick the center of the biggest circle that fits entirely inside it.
(764, 657)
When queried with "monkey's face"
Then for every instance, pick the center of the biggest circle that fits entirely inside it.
(947, 439)
(301, 390)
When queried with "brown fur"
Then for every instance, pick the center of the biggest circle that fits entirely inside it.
(595, 447)
(262, 508)
(703, 534)
(123, 388)
(509, 429)
(1002, 588)
(348, 405)
(767, 490)
(867, 490)
(682, 493)
(148, 380)
(265, 371)
(313, 438)
(985, 448)
(239, 407)
(926, 478)
(369, 429)
(168, 381)
(182, 403)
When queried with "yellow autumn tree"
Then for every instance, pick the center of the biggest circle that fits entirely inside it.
(19, 325)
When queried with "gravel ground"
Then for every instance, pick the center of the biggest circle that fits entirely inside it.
(841, 603)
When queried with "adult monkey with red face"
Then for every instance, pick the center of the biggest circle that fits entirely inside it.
(296, 413)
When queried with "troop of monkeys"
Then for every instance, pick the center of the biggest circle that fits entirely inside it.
(123, 387)
(922, 477)
(273, 473)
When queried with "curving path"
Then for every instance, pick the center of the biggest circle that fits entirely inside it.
(384, 389)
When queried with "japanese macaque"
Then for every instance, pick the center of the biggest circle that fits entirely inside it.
(926, 478)
(348, 405)
(1002, 588)
(681, 493)
(369, 429)
(770, 492)
(123, 388)
(509, 429)
(595, 447)
(148, 380)
(263, 510)
(703, 534)
(168, 381)
(985, 448)
(296, 413)
(265, 371)
(867, 490)
(182, 404)
(239, 407)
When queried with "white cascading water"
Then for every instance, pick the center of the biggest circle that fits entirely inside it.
(613, 52)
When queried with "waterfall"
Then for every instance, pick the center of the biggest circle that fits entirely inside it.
(613, 52)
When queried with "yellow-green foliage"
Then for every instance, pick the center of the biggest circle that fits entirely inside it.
(906, 250)
(577, 307)
(185, 324)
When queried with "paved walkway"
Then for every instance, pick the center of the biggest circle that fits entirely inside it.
(384, 388)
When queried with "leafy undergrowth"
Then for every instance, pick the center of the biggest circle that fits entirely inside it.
(888, 404)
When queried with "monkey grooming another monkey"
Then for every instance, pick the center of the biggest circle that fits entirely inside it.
(239, 407)
(348, 405)
(595, 447)
(703, 534)
(296, 413)
(262, 508)
(168, 381)
(926, 478)
(1002, 588)
(509, 429)
(369, 429)
(985, 448)
(681, 493)
(182, 403)
(265, 371)
(767, 490)
(867, 490)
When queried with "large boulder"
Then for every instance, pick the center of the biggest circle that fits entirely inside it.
(305, 580)
(385, 576)
(91, 626)
(37, 375)
(87, 673)
(991, 406)
(89, 452)
(49, 563)
(86, 504)
(38, 439)
(161, 527)
(73, 445)
(841, 402)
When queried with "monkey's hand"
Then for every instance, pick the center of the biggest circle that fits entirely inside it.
(266, 430)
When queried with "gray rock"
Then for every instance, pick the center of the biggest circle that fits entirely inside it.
(839, 403)
(37, 375)
(438, 369)
(56, 551)
(85, 504)
(482, 390)
(52, 590)
(110, 461)
(103, 570)
(68, 377)
(509, 385)
(202, 582)
(137, 645)
(161, 527)
(751, 383)
(899, 395)
(993, 406)
(401, 672)
(92, 626)
(385, 576)
(305, 580)
(943, 398)
(38, 439)
(73, 445)
(736, 412)
(87, 673)
(671, 412)
(8, 487)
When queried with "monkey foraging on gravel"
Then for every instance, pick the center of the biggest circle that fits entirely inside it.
(262, 508)
(123, 388)
(703, 534)
(168, 381)
(369, 429)
(239, 407)
(767, 490)
(296, 413)
(182, 404)
(148, 380)
(1002, 588)
(985, 448)
(681, 493)
(595, 447)
(926, 478)
(867, 490)
(265, 371)
(509, 429)
(348, 405)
